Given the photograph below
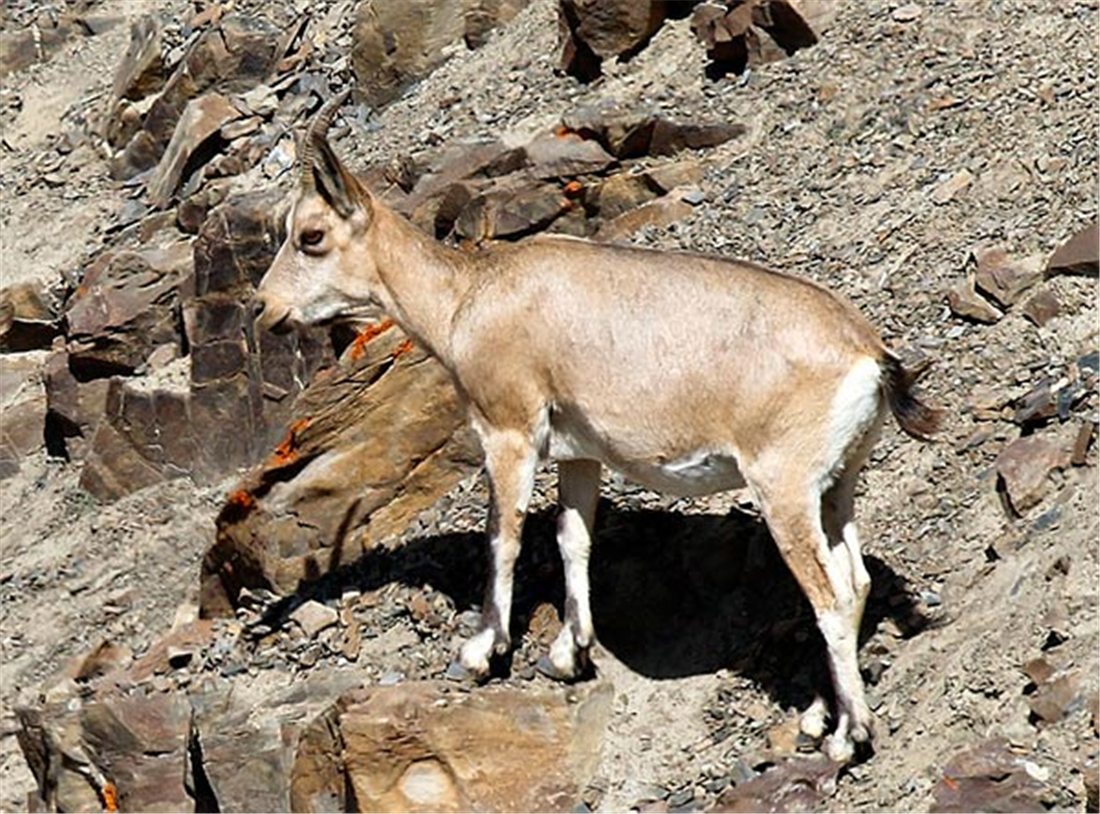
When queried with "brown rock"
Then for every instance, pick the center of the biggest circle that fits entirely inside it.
(1078, 255)
(134, 746)
(139, 74)
(1086, 433)
(24, 47)
(1003, 279)
(1023, 468)
(1039, 404)
(106, 657)
(511, 208)
(114, 468)
(989, 777)
(618, 194)
(250, 745)
(741, 34)
(396, 42)
(125, 306)
(795, 785)
(590, 31)
(28, 318)
(379, 439)
(1042, 307)
(947, 189)
(416, 747)
(465, 164)
(228, 58)
(1091, 780)
(565, 156)
(1051, 701)
(630, 133)
(683, 173)
(202, 118)
(482, 16)
(242, 386)
(658, 213)
(1039, 670)
(313, 617)
(23, 404)
(964, 301)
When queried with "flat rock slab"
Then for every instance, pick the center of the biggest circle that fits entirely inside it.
(202, 119)
(991, 776)
(424, 747)
(1078, 255)
(1024, 466)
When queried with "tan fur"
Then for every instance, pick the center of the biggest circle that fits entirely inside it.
(686, 372)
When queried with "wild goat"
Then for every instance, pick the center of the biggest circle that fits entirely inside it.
(688, 373)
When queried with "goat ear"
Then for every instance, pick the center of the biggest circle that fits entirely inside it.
(336, 185)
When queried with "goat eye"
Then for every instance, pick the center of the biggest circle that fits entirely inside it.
(311, 237)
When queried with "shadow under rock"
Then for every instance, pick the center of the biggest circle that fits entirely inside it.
(673, 595)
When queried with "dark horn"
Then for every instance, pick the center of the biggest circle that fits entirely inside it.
(318, 128)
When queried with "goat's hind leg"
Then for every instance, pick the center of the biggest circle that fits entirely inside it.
(510, 459)
(824, 573)
(578, 494)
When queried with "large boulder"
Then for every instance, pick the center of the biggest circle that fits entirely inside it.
(23, 405)
(125, 307)
(372, 443)
(590, 31)
(242, 386)
(397, 42)
(231, 57)
(420, 747)
(744, 33)
(28, 317)
(326, 742)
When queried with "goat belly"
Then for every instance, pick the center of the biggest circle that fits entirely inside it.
(700, 472)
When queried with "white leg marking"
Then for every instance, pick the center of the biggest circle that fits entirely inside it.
(579, 489)
(510, 458)
(812, 722)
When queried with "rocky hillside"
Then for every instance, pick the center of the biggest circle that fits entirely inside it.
(235, 567)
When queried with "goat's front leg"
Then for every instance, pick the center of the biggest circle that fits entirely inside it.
(578, 494)
(510, 459)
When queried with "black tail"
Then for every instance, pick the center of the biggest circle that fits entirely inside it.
(915, 418)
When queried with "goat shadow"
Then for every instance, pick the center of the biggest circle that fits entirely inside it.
(673, 594)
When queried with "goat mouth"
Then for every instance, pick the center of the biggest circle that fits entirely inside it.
(283, 325)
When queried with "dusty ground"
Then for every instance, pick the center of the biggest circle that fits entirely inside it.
(847, 143)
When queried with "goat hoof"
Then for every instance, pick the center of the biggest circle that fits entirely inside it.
(839, 748)
(550, 670)
(457, 672)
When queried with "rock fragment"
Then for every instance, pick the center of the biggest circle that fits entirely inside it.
(947, 189)
(1078, 255)
(1003, 279)
(991, 776)
(313, 617)
(966, 302)
(202, 119)
(1023, 468)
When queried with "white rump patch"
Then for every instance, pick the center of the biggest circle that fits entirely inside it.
(855, 408)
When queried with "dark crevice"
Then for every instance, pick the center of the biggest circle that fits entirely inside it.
(86, 369)
(56, 432)
(202, 792)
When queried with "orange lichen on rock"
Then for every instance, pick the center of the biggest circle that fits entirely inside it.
(573, 189)
(359, 344)
(241, 499)
(287, 451)
(402, 349)
(110, 797)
